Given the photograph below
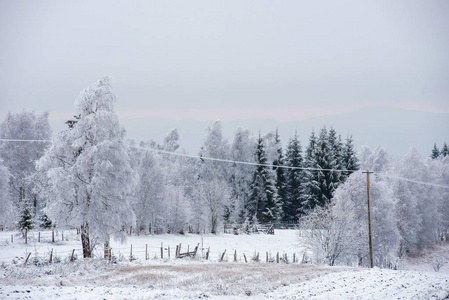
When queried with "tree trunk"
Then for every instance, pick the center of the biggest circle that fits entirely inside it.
(85, 240)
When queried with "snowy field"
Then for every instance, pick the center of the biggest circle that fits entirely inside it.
(189, 278)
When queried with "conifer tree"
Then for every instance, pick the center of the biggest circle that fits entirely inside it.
(311, 190)
(435, 152)
(292, 206)
(281, 182)
(263, 205)
(336, 159)
(349, 158)
(325, 160)
(26, 218)
(445, 150)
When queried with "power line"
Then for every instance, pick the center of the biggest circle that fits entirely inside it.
(415, 181)
(240, 162)
(14, 140)
(250, 163)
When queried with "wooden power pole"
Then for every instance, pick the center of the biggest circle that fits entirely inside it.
(370, 230)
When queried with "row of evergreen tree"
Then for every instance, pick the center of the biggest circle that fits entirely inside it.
(308, 181)
(439, 153)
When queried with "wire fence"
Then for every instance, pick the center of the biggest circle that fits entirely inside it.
(52, 246)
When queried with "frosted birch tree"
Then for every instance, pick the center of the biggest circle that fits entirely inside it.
(87, 176)
(20, 157)
(7, 214)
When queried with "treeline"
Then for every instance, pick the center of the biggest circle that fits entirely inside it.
(409, 208)
(91, 178)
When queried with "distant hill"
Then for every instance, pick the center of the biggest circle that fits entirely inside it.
(396, 129)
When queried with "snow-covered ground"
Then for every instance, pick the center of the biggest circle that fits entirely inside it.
(197, 278)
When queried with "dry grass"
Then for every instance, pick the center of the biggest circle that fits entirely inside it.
(216, 278)
(198, 277)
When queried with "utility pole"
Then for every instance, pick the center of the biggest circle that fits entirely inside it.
(370, 230)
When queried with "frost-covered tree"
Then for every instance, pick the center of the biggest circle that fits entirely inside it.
(416, 213)
(7, 213)
(209, 172)
(292, 206)
(149, 194)
(350, 199)
(214, 146)
(439, 173)
(215, 197)
(241, 175)
(327, 236)
(86, 174)
(19, 157)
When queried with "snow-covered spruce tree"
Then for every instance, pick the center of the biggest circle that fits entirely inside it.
(87, 172)
(349, 158)
(336, 150)
(20, 157)
(435, 152)
(311, 192)
(7, 213)
(241, 175)
(292, 207)
(26, 218)
(445, 150)
(280, 176)
(263, 205)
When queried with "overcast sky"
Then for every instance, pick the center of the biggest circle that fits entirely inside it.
(206, 60)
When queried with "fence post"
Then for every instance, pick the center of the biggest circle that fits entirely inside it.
(73, 255)
(245, 258)
(294, 257)
(277, 257)
(52, 236)
(146, 251)
(168, 250)
(131, 253)
(130, 230)
(51, 255)
(258, 257)
(235, 255)
(162, 250)
(26, 260)
(207, 253)
(62, 235)
(267, 256)
(222, 256)
(12, 238)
